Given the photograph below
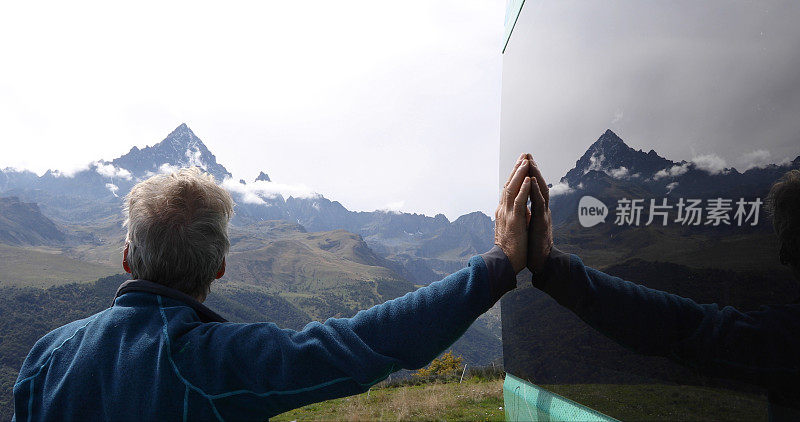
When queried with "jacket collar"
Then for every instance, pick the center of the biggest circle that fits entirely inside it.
(205, 314)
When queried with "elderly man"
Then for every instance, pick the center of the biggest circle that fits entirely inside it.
(159, 354)
(760, 347)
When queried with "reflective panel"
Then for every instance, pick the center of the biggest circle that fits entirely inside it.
(660, 127)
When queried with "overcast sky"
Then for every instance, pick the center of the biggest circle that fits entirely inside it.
(376, 104)
(715, 81)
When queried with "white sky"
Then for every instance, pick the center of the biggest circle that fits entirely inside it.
(375, 104)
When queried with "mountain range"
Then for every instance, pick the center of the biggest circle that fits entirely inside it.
(422, 248)
(299, 258)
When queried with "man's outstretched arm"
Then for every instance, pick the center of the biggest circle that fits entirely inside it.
(259, 370)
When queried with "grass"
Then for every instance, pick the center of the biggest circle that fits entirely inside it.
(471, 400)
(475, 400)
(44, 268)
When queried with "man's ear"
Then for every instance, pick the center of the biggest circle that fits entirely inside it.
(125, 265)
(221, 271)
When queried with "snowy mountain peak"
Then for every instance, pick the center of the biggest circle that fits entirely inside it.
(181, 148)
(183, 137)
(263, 177)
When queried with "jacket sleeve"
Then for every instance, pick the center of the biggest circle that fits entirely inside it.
(254, 371)
(760, 347)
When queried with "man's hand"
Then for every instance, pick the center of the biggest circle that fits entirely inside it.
(540, 236)
(511, 217)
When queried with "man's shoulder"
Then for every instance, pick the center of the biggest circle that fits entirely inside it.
(56, 339)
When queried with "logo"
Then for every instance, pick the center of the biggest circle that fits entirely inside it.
(591, 211)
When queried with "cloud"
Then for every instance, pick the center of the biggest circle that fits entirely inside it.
(194, 158)
(755, 159)
(111, 171)
(168, 168)
(711, 163)
(255, 192)
(560, 188)
(395, 206)
(71, 172)
(113, 188)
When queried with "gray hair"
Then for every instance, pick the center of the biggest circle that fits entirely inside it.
(178, 230)
(783, 202)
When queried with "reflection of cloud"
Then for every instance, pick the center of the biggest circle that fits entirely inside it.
(671, 187)
(711, 163)
(595, 163)
(758, 158)
(254, 193)
(667, 67)
(676, 170)
(620, 173)
(560, 188)
(618, 115)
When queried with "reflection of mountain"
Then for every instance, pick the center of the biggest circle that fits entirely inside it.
(611, 170)
(729, 265)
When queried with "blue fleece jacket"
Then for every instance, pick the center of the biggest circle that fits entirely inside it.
(758, 347)
(158, 354)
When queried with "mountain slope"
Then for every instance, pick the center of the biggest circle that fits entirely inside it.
(22, 223)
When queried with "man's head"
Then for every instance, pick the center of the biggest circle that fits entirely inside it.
(783, 202)
(178, 231)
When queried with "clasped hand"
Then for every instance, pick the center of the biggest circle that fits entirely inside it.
(524, 234)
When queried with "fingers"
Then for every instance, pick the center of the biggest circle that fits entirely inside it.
(512, 189)
(514, 170)
(521, 201)
(537, 199)
(543, 189)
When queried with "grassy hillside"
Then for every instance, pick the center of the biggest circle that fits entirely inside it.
(470, 401)
(42, 268)
(276, 272)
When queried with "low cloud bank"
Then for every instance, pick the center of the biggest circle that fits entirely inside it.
(112, 171)
(256, 192)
